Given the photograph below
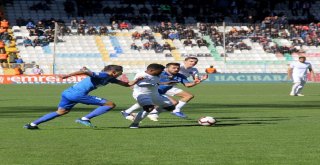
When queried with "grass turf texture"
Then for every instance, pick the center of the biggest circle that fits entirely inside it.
(258, 124)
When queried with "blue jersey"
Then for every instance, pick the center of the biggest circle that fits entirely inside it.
(165, 77)
(92, 82)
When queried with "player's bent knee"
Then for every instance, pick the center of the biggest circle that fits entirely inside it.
(110, 104)
(174, 102)
(170, 108)
(62, 111)
(148, 108)
(189, 97)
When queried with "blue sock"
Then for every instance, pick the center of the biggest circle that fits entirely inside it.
(46, 117)
(98, 111)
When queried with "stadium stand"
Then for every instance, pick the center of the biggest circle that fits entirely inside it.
(95, 38)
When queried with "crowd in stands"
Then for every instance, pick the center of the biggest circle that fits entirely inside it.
(247, 11)
(262, 26)
(8, 51)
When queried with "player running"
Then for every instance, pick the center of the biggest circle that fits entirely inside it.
(147, 95)
(298, 73)
(171, 73)
(78, 93)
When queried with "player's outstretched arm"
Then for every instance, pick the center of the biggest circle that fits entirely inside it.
(168, 82)
(128, 84)
(83, 71)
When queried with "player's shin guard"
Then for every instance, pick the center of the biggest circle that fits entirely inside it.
(45, 118)
(98, 111)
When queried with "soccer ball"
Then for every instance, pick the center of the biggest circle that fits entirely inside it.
(131, 117)
(207, 121)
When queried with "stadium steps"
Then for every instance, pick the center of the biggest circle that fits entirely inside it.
(175, 53)
(117, 47)
(47, 50)
(101, 47)
(212, 49)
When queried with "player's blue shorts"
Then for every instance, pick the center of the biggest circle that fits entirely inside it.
(70, 99)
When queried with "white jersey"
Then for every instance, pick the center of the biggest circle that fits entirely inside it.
(189, 72)
(148, 85)
(300, 69)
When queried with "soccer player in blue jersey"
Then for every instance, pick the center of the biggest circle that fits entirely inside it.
(78, 93)
(171, 74)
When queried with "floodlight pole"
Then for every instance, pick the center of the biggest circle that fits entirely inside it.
(224, 41)
(224, 46)
(54, 47)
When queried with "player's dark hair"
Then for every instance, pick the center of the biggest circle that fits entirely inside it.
(116, 68)
(172, 63)
(188, 58)
(155, 66)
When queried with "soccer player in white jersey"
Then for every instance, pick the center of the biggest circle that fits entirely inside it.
(187, 69)
(146, 93)
(298, 73)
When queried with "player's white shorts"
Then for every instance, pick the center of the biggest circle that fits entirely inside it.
(159, 100)
(298, 79)
(173, 91)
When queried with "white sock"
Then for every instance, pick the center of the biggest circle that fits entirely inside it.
(32, 124)
(84, 118)
(133, 108)
(294, 88)
(179, 106)
(299, 89)
(140, 116)
(154, 111)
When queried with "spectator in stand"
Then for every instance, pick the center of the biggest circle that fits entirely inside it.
(187, 42)
(64, 30)
(211, 70)
(12, 57)
(19, 60)
(102, 30)
(92, 31)
(114, 25)
(136, 35)
(37, 70)
(81, 31)
(2, 30)
(27, 42)
(83, 23)
(2, 44)
(173, 35)
(30, 25)
(124, 25)
(74, 23)
(146, 35)
(6, 38)
(147, 45)
(135, 47)
(3, 57)
(12, 48)
(18, 70)
(4, 23)
(166, 46)
(202, 42)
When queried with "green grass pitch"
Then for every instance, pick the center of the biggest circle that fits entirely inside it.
(258, 124)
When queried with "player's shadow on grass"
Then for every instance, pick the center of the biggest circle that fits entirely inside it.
(33, 111)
